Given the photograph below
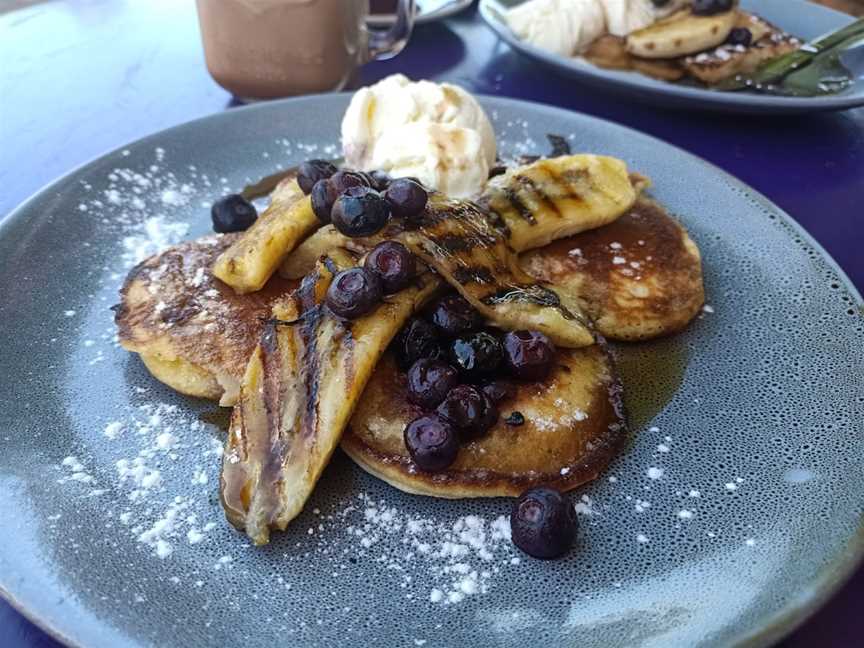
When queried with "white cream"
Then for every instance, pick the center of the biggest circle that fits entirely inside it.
(568, 27)
(436, 132)
(449, 158)
(564, 27)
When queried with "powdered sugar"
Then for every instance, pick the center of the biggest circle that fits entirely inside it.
(76, 471)
(458, 559)
(654, 473)
(150, 237)
(147, 484)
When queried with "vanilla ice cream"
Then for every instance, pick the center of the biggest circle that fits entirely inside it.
(436, 132)
(564, 27)
(568, 27)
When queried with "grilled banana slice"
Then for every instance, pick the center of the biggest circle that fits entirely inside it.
(681, 34)
(462, 245)
(254, 257)
(558, 197)
(531, 205)
(300, 388)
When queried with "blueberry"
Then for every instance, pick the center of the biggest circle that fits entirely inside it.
(311, 172)
(406, 197)
(232, 213)
(429, 381)
(359, 211)
(380, 180)
(740, 36)
(529, 354)
(324, 194)
(711, 7)
(417, 339)
(326, 191)
(543, 523)
(453, 315)
(344, 180)
(394, 264)
(432, 442)
(465, 407)
(499, 390)
(477, 354)
(353, 293)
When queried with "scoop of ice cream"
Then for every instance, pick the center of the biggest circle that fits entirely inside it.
(436, 132)
(447, 157)
(564, 27)
(568, 27)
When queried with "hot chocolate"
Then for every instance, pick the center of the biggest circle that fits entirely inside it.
(259, 49)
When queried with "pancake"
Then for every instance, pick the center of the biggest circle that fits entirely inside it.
(193, 332)
(768, 42)
(637, 278)
(574, 426)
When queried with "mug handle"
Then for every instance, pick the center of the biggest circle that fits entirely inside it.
(387, 43)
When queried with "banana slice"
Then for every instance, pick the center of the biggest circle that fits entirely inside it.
(681, 34)
(256, 254)
(300, 388)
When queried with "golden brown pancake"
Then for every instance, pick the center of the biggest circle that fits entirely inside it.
(193, 332)
(769, 41)
(639, 277)
(574, 426)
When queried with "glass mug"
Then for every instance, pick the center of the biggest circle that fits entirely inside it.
(261, 49)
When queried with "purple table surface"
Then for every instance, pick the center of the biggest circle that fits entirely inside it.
(82, 77)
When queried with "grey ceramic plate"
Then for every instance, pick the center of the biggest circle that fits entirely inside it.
(804, 19)
(113, 535)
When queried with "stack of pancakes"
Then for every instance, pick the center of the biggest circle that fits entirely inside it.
(637, 278)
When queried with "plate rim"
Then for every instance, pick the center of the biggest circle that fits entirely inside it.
(836, 572)
(673, 95)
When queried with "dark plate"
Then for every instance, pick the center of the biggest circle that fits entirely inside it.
(799, 17)
(753, 415)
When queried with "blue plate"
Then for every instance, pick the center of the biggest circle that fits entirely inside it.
(798, 17)
(735, 510)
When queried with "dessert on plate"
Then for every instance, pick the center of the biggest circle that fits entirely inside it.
(707, 41)
(439, 312)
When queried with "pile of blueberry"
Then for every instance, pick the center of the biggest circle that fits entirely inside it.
(453, 370)
(389, 268)
(360, 204)
(357, 203)
(453, 367)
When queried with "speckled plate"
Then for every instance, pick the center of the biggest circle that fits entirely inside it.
(801, 18)
(734, 512)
